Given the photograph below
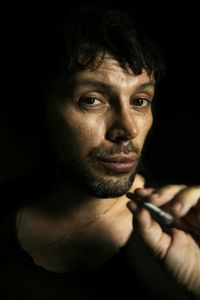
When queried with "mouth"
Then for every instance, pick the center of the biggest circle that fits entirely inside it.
(120, 164)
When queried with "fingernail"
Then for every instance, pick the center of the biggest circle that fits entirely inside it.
(177, 207)
(129, 195)
(132, 206)
(154, 195)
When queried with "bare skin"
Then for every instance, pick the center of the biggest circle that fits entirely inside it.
(106, 112)
(79, 240)
(178, 248)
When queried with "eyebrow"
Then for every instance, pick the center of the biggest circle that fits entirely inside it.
(93, 83)
(98, 84)
(148, 84)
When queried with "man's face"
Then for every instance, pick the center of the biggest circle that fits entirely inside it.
(97, 124)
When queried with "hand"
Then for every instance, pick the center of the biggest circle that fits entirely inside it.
(177, 247)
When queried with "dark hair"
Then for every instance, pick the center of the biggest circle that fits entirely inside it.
(54, 45)
(65, 44)
(89, 31)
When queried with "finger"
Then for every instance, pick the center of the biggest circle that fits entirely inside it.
(143, 192)
(151, 232)
(193, 218)
(186, 199)
(190, 223)
(164, 194)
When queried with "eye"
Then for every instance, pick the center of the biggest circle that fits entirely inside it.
(141, 102)
(90, 102)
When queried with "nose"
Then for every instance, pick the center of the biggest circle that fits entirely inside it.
(123, 126)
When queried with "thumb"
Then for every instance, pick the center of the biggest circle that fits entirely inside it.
(151, 232)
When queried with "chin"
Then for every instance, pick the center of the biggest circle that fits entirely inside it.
(99, 185)
(109, 188)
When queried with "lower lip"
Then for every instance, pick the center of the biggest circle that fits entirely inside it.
(117, 167)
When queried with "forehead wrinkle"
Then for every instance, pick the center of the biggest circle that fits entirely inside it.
(105, 87)
(95, 84)
(111, 78)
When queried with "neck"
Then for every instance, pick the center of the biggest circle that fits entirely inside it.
(67, 214)
(66, 201)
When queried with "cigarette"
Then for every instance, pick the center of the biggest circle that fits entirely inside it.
(162, 215)
(165, 217)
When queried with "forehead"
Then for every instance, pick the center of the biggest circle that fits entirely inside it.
(110, 71)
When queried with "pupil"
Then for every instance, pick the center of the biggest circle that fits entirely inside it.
(139, 101)
(90, 100)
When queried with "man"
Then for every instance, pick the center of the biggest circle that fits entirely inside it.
(73, 236)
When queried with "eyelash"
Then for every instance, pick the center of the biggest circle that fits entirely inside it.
(82, 101)
(148, 102)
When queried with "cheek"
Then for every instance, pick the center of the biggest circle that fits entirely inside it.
(144, 125)
(85, 131)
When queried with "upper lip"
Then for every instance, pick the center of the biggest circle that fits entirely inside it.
(120, 158)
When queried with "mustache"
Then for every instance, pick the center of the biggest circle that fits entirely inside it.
(101, 153)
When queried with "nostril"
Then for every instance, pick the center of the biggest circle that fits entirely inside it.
(120, 139)
(123, 127)
(119, 135)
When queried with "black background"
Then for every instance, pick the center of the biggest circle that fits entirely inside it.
(172, 149)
